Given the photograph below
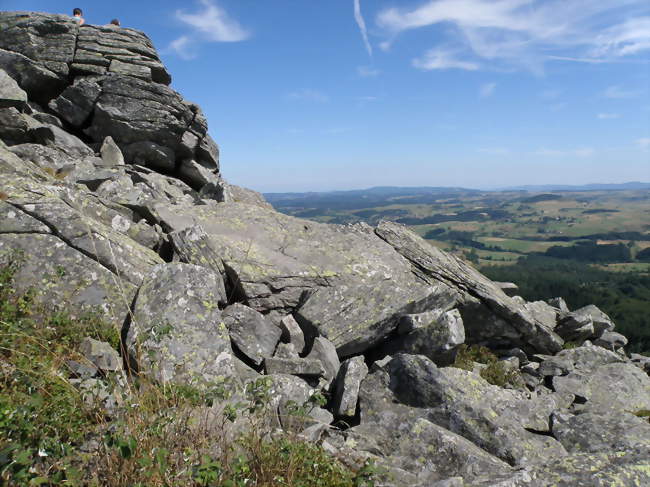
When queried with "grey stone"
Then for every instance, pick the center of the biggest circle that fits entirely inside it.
(15, 126)
(151, 155)
(47, 118)
(495, 419)
(253, 335)
(82, 370)
(611, 340)
(286, 350)
(324, 351)
(177, 332)
(195, 174)
(624, 469)
(135, 70)
(53, 136)
(293, 366)
(641, 361)
(608, 388)
(292, 333)
(101, 355)
(509, 288)
(111, 153)
(575, 328)
(36, 50)
(543, 312)
(347, 384)
(590, 432)
(407, 438)
(76, 103)
(602, 322)
(559, 304)
(11, 95)
(489, 316)
(434, 334)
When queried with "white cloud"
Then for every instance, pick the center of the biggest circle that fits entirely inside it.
(580, 152)
(629, 37)
(308, 95)
(367, 71)
(183, 47)
(607, 116)
(644, 143)
(362, 25)
(617, 92)
(213, 23)
(487, 89)
(527, 33)
(442, 58)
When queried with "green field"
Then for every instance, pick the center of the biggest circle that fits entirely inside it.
(587, 246)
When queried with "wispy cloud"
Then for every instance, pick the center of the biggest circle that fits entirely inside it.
(367, 71)
(607, 116)
(308, 95)
(580, 152)
(210, 23)
(644, 143)
(358, 17)
(527, 33)
(487, 90)
(617, 92)
(183, 47)
(442, 58)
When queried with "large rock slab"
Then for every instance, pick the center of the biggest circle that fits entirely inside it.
(357, 285)
(590, 432)
(609, 388)
(252, 334)
(62, 277)
(490, 316)
(37, 50)
(176, 332)
(11, 95)
(495, 419)
(405, 438)
(621, 469)
(85, 224)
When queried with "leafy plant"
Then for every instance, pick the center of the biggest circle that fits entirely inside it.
(496, 371)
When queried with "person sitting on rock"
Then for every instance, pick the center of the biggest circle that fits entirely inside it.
(115, 22)
(77, 14)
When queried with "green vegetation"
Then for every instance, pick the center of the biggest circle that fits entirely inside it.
(590, 247)
(625, 297)
(51, 433)
(496, 371)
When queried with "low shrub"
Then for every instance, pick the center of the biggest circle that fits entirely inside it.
(496, 371)
(162, 435)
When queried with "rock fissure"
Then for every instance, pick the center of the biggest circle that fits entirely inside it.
(55, 232)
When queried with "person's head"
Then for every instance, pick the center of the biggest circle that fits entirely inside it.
(115, 22)
(77, 12)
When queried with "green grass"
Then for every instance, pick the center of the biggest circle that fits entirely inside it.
(161, 435)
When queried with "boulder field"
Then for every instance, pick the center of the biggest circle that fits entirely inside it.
(111, 196)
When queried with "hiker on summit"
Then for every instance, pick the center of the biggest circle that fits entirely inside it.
(77, 14)
(115, 22)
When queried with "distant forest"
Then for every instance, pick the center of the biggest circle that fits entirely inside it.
(624, 297)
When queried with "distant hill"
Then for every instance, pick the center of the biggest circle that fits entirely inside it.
(583, 187)
(383, 192)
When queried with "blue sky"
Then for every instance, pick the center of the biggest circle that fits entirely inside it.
(341, 94)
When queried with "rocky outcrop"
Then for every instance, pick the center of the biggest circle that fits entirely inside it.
(107, 81)
(111, 200)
